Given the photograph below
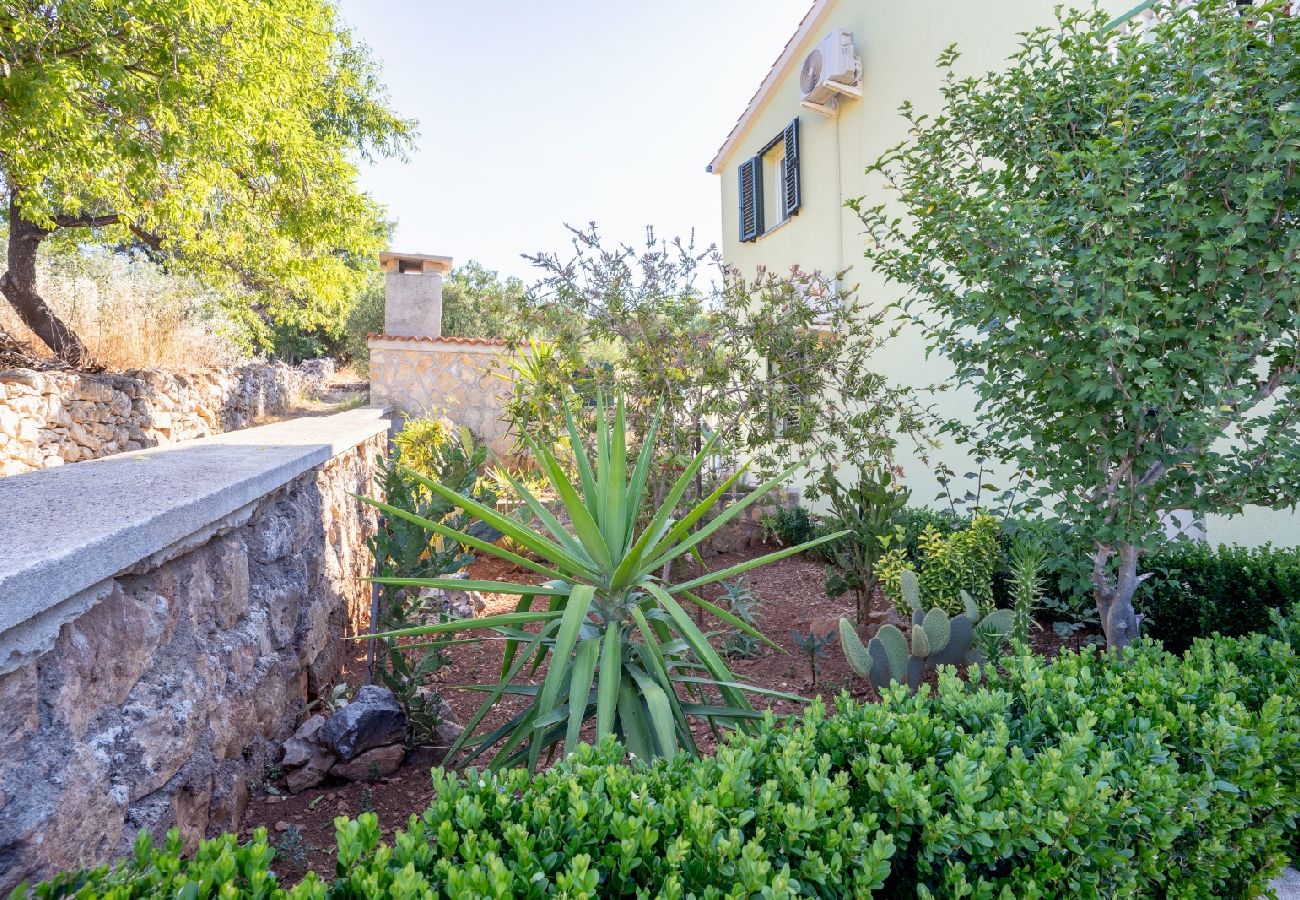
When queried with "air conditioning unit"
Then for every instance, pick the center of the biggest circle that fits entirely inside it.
(830, 71)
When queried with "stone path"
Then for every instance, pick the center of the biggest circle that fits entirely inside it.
(1287, 885)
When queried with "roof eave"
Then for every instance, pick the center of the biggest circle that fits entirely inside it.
(810, 23)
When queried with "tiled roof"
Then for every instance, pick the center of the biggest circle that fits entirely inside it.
(483, 342)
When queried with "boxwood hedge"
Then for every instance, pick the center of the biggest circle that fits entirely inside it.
(1152, 776)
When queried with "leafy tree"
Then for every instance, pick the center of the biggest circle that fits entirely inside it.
(218, 135)
(1103, 241)
(476, 302)
(776, 365)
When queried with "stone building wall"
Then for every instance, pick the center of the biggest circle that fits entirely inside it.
(452, 377)
(161, 704)
(52, 418)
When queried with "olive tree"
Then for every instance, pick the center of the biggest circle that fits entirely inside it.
(1103, 240)
(218, 135)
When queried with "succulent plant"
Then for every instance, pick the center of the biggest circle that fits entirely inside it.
(937, 640)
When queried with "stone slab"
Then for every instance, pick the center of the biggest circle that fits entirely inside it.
(66, 529)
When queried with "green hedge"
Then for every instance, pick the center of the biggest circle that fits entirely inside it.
(1196, 590)
(1158, 776)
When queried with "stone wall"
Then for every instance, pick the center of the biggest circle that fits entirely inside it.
(163, 701)
(452, 377)
(52, 418)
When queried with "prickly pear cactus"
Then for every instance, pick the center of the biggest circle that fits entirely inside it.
(936, 640)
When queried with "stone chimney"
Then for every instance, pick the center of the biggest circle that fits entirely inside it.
(413, 294)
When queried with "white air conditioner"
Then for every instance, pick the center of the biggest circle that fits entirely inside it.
(830, 71)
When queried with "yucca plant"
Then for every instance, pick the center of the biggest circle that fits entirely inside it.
(622, 648)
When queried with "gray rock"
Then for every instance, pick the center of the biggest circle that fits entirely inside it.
(448, 731)
(312, 774)
(309, 730)
(296, 753)
(372, 764)
(451, 603)
(373, 719)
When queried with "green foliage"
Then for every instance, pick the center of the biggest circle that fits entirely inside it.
(947, 563)
(619, 643)
(477, 303)
(748, 360)
(366, 317)
(1026, 560)
(405, 550)
(813, 646)
(916, 519)
(220, 867)
(239, 165)
(937, 639)
(789, 525)
(1197, 590)
(1042, 783)
(1102, 240)
(542, 375)
(739, 598)
(423, 443)
(867, 512)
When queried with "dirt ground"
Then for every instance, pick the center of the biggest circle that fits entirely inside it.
(792, 597)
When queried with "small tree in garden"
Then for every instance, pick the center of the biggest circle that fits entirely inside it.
(1103, 240)
(867, 511)
(777, 366)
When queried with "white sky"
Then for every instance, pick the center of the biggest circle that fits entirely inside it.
(534, 114)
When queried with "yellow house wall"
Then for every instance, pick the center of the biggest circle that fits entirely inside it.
(897, 44)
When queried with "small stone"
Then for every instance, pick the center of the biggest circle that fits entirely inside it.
(371, 765)
(307, 730)
(281, 826)
(310, 774)
(296, 753)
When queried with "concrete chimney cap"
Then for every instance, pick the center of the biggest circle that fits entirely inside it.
(422, 263)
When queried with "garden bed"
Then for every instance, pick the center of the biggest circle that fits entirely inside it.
(792, 596)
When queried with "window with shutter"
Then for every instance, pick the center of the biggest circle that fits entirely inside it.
(790, 199)
(782, 163)
(751, 198)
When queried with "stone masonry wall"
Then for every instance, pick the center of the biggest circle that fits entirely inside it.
(161, 704)
(52, 418)
(452, 377)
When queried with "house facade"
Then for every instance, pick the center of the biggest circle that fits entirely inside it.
(788, 166)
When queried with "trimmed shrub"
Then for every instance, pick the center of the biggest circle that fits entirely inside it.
(1151, 776)
(1197, 590)
(790, 525)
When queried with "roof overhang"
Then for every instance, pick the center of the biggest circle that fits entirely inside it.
(812, 21)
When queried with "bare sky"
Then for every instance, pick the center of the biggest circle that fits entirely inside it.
(534, 114)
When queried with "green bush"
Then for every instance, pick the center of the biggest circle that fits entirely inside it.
(365, 317)
(1196, 590)
(947, 562)
(791, 526)
(1153, 776)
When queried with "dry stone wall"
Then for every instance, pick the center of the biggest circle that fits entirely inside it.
(459, 378)
(51, 418)
(161, 704)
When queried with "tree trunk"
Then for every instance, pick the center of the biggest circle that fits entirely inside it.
(18, 285)
(1115, 595)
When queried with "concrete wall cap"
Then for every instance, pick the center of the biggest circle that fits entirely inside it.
(64, 530)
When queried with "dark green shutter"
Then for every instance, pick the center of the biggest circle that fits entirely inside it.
(790, 202)
(751, 198)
